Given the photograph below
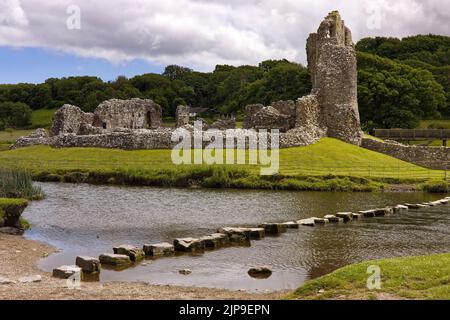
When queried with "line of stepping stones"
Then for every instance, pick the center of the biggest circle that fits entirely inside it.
(126, 255)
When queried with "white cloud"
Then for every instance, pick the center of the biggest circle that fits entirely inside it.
(201, 33)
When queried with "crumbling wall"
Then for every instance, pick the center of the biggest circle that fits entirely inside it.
(182, 116)
(131, 114)
(430, 157)
(332, 64)
(68, 119)
(259, 117)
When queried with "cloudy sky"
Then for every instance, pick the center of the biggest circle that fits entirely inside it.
(54, 38)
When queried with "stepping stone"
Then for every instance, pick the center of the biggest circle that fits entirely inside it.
(30, 279)
(307, 222)
(257, 233)
(333, 219)
(239, 239)
(214, 241)
(88, 264)
(388, 210)
(133, 252)
(188, 244)
(347, 216)
(367, 213)
(321, 221)
(229, 231)
(261, 272)
(291, 225)
(379, 212)
(417, 206)
(185, 272)
(114, 259)
(357, 216)
(158, 249)
(444, 201)
(4, 280)
(274, 228)
(400, 208)
(65, 272)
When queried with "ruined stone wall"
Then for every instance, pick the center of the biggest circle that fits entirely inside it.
(430, 157)
(182, 116)
(332, 64)
(132, 114)
(259, 117)
(69, 119)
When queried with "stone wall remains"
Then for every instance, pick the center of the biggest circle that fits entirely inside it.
(430, 157)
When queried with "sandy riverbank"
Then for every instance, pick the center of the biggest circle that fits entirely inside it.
(19, 257)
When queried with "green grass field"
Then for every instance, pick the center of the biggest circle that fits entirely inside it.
(425, 124)
(424, 277)
(42, 118)
(328, 156)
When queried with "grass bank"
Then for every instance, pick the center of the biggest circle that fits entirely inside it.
(424, 277)
(18, 184)
(10, 212)
(329, 164)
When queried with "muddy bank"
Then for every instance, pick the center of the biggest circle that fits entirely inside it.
(18, 258)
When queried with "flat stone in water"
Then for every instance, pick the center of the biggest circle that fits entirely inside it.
(273, 228)
(158, 249)
(333, 219)
(188, 244)
(347, 216)
(114, 259)
(133, 252)
(88, 264)
(260, 272)
(307, 222)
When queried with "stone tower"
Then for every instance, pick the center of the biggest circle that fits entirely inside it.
(332, 64)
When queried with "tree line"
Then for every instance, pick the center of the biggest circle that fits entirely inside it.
(399, 83)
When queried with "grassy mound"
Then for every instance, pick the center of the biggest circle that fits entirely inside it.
(326, 165)
(424, 277)
(18, 184)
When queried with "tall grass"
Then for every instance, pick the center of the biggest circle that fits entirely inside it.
(18, 184)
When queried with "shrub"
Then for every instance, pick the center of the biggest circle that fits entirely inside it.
(10, 212)
(436, 186)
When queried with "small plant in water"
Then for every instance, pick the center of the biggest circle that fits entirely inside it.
(18, 184)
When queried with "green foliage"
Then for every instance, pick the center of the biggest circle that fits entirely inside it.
(10, 211)
(436, 186)
(18, 184)
(425, 52)
(393, 95)
(15, 114)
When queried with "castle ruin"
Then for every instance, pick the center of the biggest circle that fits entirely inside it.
(331, 110)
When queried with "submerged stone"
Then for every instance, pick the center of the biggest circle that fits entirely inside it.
(261, 272)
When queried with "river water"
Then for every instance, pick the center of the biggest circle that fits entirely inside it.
(82, 219)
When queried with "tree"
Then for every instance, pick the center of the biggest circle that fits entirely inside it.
(391, 94)
(15, 114)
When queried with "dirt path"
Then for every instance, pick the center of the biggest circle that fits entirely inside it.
(18, 258)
